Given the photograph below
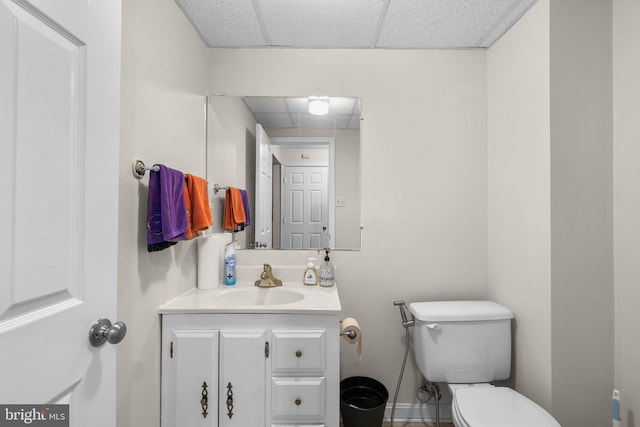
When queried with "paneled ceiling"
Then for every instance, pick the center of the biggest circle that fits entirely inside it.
(342, 24)
(271, 112)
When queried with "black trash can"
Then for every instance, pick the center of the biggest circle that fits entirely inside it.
(362, 402)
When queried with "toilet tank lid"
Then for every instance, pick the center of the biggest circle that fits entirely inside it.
(458, 311)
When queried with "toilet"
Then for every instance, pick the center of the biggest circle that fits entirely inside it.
(467, 344)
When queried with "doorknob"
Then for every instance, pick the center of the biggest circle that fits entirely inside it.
(102, 330)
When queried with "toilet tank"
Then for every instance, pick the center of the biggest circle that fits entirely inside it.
(462, 341)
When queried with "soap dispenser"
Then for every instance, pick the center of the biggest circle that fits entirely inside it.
(230, 266)
(310, 274)
(327, 273)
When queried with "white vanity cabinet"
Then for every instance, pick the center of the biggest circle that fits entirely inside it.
(250, 370)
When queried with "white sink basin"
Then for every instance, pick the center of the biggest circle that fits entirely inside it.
(257, 296)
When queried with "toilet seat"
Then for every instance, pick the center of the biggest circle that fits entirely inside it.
(497, 407)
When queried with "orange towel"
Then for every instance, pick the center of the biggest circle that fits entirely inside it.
(196, 196)
(233, 209)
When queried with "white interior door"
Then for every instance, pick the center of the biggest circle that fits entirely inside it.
(59, 133)
(305, 212)
(264, 190)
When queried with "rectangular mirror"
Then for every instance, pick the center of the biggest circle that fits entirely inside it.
(301, 170)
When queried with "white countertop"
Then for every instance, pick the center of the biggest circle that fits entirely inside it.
(312, 300)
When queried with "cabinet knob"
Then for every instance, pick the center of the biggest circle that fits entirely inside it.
(298, 402)
(298, 353)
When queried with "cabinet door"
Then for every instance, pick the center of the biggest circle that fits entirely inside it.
(242, 378)
(191, 398)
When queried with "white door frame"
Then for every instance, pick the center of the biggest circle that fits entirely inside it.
(329, 143)
(263, 218)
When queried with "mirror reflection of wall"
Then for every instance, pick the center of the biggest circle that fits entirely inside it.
(295, 135)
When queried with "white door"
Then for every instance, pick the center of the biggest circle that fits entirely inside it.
(305, 211)
(59, 137)
(264, 190)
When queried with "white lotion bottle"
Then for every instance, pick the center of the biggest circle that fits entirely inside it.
(310, 274)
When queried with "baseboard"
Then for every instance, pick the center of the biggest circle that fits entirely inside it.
(422, 412)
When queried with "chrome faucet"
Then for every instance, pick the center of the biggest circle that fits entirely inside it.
(267, 280)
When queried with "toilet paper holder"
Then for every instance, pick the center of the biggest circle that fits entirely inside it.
(350, 334)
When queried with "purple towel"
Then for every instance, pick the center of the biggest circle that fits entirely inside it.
(245, 203)
(167, 215)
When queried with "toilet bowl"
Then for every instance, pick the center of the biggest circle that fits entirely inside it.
(467, 344)
(483, 405)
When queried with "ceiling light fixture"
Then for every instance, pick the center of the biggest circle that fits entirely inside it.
(319, 105)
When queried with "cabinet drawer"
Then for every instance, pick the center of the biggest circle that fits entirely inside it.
(299, 351)
(299, 399)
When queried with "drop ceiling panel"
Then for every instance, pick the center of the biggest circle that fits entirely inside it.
(278, 120)
(344, 106)
(298, 105)
(448, 23)
(224, 23)
(321, 24)
(257, 104)
(273, 112)
(419, 24)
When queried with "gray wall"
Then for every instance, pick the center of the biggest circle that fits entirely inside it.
(581, 211)
(551, 204)
(626, 85)
(519, 195)
(162, 121)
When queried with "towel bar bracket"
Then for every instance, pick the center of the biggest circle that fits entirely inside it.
(139, 169)
(217, 187)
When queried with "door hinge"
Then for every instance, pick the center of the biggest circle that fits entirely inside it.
(266, 349)
(171, 350)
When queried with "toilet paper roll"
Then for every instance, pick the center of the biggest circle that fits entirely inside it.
(211, 259)
(349, 324)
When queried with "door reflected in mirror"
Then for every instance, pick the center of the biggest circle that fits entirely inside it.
(301, 170)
